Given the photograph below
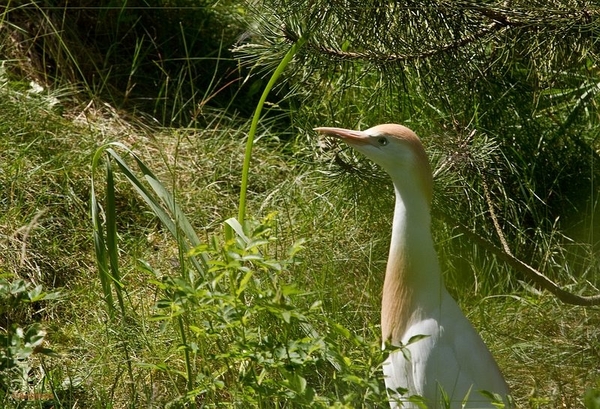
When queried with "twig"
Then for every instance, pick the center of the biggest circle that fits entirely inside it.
(24, 232)
(488, 201)
(526, 269)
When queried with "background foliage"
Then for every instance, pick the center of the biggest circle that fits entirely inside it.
(503, 94)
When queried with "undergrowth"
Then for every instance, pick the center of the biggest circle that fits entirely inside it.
(255, 338)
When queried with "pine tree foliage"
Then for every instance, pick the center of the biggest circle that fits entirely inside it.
(504, 93)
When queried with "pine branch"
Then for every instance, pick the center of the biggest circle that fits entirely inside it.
(535, 275)
(496, 20)
(348, 55)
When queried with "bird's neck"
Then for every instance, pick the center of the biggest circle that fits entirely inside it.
(412, 275)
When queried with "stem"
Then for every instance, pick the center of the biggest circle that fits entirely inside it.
(186, 353)
(250, 142)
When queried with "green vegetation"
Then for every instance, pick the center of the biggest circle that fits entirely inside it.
(147, 292)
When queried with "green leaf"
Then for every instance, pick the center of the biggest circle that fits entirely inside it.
(290, 289)
(244, 283)
(296, 383)
(286, 315)
(416, 338)
(237, 227)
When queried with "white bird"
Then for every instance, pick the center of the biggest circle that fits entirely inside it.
(447, 360)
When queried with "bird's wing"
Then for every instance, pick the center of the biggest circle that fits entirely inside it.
(408, 368)
(452, 357)
(477, 368)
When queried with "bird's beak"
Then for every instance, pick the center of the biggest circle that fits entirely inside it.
(348, 135)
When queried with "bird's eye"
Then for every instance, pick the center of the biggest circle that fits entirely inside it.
(382, 141)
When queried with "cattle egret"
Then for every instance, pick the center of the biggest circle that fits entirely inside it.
(447, 360)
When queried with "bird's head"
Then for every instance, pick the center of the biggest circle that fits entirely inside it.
(395, 148)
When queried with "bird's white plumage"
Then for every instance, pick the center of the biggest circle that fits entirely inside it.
(451, 357)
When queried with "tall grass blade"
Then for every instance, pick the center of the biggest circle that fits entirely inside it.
(100, 250)
(253, 126)
(161, 202)
(163, 205)
(112, 248)
(107, 254)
